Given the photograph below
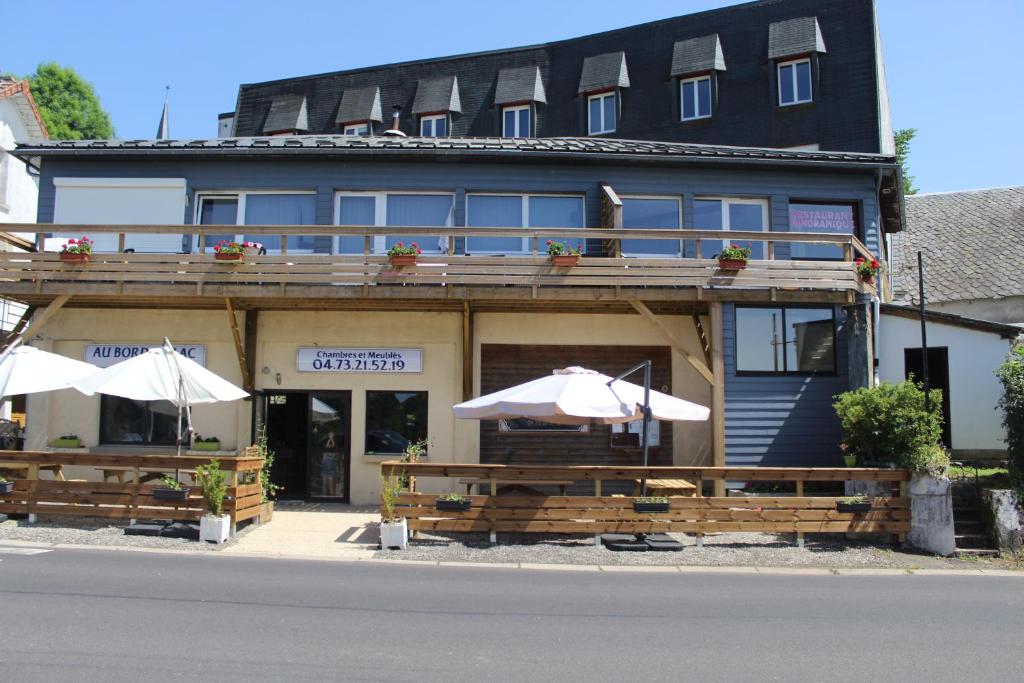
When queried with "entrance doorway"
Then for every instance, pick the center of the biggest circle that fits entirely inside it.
(938, 378)
(309, 433)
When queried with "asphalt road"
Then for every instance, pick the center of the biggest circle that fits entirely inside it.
(92, 615)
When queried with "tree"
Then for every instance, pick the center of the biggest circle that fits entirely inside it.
(903, 137)
(68, 104)
(1011, 374)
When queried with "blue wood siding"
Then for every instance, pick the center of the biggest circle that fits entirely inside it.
(781, 420)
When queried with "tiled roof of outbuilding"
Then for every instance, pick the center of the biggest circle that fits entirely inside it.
(970, 243)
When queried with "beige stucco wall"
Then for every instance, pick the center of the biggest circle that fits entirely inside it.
(281, 333)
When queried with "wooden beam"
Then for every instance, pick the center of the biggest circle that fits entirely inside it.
(672, 339)
(17, 242)
(24, 320)
(252, 320)
(38, 321)
(467, 351)
(242, 364)
(702, 335)
(717, 394)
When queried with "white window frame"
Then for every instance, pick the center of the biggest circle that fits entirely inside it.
(793, 77)
(240, 196)
(679, 204)
(696, 98)
(357, 129)
(380, 214)
(604, 124)
(526, 248)
(726, 201)
(516, 133)
(432, 118)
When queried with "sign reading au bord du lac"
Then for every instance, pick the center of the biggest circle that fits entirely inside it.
(105, 355)
(321, 359)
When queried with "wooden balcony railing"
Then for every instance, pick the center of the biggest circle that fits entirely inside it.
(289, 273)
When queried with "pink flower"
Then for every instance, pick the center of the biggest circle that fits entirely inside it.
(71, 241)
(549, 243)
(419, 251)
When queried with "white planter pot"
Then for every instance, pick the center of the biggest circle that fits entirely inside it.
(394, 535)
(215, 529)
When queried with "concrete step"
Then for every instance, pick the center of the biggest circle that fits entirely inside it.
(970, 526)
(972, 541)
(977, 552)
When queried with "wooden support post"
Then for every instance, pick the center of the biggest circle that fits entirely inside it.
(121, 241)
(30, 494)
(252, 323)
(38, 321)
(674, 341)
(597, 487)
(800, 494)
(239, 350)
(717, 394)
(467, 351)
(699, 493)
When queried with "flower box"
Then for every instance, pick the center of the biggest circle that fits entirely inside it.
(649, 507)
(229, 256)
(402, 259)
(732, 264)
(6, 486)
(452, 505)
(167, 493)
(394, 535)
(565, 260)
(68, 257)
(842, 506)
(67, 443)
(214, 529)
(206, 446)
(867, 279)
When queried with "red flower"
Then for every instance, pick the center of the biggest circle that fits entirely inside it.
(72, 241)
(400, 244)
(419, 251)
(860, 260)
(549, 242)
(874, 263)
(414, 245)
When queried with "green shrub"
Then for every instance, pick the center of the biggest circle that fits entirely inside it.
(1011, 374)
(889, 423)
(932, 460)
(212, 482)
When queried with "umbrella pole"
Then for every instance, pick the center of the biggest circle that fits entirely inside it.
(646, 366)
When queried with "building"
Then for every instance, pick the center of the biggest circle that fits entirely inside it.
(970, 242)
(775, 73)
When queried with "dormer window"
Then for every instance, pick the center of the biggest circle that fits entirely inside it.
(795, 82)
(434, 126)
(602, 80)
(358, 128)
(795, 45)
(516, 121)
(601, 116)
(695, 98)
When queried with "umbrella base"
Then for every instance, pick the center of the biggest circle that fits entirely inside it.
(624, 543)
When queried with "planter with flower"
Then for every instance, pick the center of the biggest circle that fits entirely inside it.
(170, 489)
(5, 486)
(67, 441)
(226, 250)
(401, 255)
(562, 255)
(208, 444)
(76, 251)
(734, 257)
(867, 269)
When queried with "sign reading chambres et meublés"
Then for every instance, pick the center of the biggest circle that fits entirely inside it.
(323, 359)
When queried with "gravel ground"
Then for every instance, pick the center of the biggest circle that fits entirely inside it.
(93, 531)
(732, 549)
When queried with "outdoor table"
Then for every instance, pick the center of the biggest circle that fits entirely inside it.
(666, 487)
(470, 483)
(58, 470)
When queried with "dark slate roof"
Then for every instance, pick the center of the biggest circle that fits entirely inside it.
(603, 72)
(436, 95)
(794, 37)
(287, 113)
(697, 54)
(359, 104)
(520, 84)
(912, 312)
(971, 243)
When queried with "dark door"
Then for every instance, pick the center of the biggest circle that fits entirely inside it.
(287, 419)
(938, 378)
(329, 440)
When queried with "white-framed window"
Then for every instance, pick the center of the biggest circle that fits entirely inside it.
(730, 213)
(493, 210)
(397, 209)
(262, 207)
(695, 98)
(357, 128)
(652, 212)
(516, 121)
(601, 113)
(434, 126)
(795, 82)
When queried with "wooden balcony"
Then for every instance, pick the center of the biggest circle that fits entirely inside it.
(290, 279)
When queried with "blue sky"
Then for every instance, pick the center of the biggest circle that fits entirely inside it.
(954, 68)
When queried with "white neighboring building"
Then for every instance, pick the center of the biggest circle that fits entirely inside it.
(962, 359)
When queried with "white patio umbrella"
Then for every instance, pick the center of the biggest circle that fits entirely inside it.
(162, 374)
(28, 370)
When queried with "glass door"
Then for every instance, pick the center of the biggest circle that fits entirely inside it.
(329, 441)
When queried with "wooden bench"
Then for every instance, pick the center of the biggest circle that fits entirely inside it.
(523, 483)
(57, 470)
(145, 475)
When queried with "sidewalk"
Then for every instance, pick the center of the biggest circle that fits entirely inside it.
(314, 531)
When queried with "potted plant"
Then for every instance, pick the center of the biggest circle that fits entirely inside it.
(5, 486)
(650, 504)
(67, 441)
(853, 504)
(226, 250)
(170, 489)
(452, 502)
(850, 460)
(867, 269)
(76, 251)
(734, 257)
(211, 443)
(562, 255)
(394, 531)
(401, 255)
(214, 526)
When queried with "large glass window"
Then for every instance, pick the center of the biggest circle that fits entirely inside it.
(795, 82)
(259, 208)
(785, 340)
(696, 98)
(516, 122)
(394, 209)
(601, 113)
(835, 219)
(651, 212)
(394, 419)
(727, 213)
(533, 211)
(218, 211)
(147, 423)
